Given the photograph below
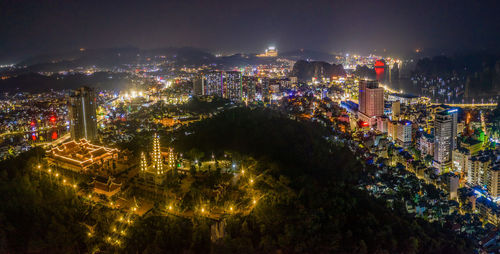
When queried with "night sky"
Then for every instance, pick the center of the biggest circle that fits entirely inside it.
(46, 26)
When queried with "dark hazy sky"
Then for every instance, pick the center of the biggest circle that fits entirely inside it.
(38, 26)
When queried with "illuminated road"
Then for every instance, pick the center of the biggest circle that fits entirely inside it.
(469, 105)
(56, 142)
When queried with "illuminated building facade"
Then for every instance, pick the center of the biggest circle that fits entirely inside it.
(170, 158)
(270, 52)
(161, 161)
(154, 172)
(156, 155)
(232, 88)
(82, 113)
(212, 83)
(225, 84)
(483, 170)
(198, 85)
(392, 129)
(404, 132)
(84, 158)
(371, 101)
(249, 88)
(426, 144)
(445, 137)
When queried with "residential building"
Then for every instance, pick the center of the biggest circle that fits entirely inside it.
(444, 137)
(404, 133)
(371, 101)
(82, 114)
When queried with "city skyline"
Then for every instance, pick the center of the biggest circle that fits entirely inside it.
(339, 127)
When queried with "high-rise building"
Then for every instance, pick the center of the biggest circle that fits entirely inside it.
(371, 101)
(371, 98)
(232, 85)
(198, 85)
(392, 130)
(213, 83)
(404, 132)
(396, 109)
(443, 138)
(225, 84)
(249, 84)
(483, 170)
(454, 126)
(82, 113)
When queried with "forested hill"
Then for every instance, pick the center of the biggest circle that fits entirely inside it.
(312, 205)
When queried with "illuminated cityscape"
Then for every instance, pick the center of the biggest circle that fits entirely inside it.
(235, 127)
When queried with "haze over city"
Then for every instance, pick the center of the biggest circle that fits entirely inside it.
(37, 27)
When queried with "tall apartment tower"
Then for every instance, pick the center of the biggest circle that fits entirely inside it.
(371, 101)
(371, 98)
(443, 138)
(225, 84)
(198, 85)
(82, 113)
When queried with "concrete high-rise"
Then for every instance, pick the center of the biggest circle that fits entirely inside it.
(225, 84)
(371, 98)
(443, 138)
(198, 85)
(371, 101)
(82, 113)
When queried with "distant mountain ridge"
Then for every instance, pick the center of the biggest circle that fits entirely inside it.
(111, 58)
(305, 70)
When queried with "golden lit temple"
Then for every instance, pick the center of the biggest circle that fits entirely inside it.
(270, 52)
